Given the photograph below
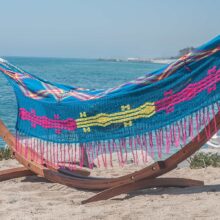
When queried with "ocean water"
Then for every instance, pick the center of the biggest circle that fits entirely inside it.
(87, 73)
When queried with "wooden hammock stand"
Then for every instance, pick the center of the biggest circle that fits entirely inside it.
(79, 178)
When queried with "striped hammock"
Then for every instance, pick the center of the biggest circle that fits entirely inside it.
(153, 115)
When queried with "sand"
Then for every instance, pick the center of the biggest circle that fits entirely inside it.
(35, 198)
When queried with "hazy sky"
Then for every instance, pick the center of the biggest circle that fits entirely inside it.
(105, 28)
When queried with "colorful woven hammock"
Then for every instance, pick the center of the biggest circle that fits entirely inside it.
(153, 114)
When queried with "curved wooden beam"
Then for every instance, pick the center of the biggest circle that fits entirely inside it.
(143, 184)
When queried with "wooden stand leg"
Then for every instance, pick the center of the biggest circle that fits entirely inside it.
(77, 172)
(14, 173)
(143, 184)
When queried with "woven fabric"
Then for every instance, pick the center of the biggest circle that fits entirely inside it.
(163, 100)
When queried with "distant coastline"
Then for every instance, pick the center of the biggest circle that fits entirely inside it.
(162, 60)
(140, 60)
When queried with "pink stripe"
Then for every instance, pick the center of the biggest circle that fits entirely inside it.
(213, 115)
(207, 83)
(144, 141)
(141, 146)
(167, 141)
(110, 151)
(131, 147)
(151, 144)
(45, 122)
(97, 147)
(136, 154)
(115, 147)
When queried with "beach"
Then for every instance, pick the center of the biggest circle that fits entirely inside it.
(35, 198)
(113, 98)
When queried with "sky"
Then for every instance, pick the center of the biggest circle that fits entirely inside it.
(105, 28)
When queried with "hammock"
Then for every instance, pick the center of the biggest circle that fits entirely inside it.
(59, 127)
(155, 114)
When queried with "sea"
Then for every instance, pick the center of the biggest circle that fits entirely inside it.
(86, 73)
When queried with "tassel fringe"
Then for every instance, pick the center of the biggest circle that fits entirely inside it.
(138, 149)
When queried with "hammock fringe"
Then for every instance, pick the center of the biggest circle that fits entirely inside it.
(137, 149)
